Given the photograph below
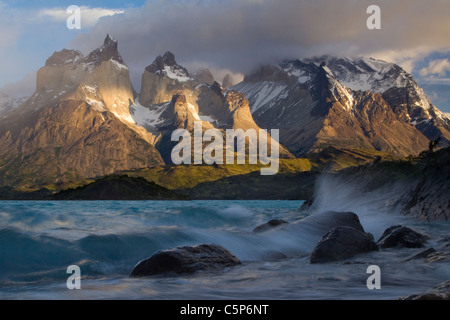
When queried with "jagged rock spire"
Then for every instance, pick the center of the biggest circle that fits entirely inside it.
(109, 42)
(167, 60)
(108, 51)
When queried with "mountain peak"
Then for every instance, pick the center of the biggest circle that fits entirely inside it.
(110, 42)
(169, 59)
(109, 50)
(204, 76)
(166, 65)
(64, 57)
(166, 60)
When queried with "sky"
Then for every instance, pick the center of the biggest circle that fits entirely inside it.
(230, 36)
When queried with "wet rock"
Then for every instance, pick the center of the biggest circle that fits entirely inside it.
(182, 260)
(444, 243)
(437, 257)
(403, 237)
(439, 292)
(325, 221)
(270, 225)
(272, 255)
(342, 243)
(421, 254)
(307, 204)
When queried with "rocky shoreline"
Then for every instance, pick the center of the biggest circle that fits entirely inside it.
(344, 240)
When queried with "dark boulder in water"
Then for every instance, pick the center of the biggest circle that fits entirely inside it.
(402, 237)
(183, 260)
(325, 221)
(270, 225)
(342, 243)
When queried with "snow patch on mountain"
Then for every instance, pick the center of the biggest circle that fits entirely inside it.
(88, 89)
(302, 75)
(175, 74)
(124, 117)
(338, 90)
(118, 65)
(97, 104)
(366, 74)
(145, 116)
(209, 119)
(8, 103)
(194, 112)
(262, 93)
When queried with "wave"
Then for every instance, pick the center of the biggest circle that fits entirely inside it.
(110, 238)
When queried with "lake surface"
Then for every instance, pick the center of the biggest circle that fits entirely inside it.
(39, 240)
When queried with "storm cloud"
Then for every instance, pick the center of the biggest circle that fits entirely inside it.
(241, 34)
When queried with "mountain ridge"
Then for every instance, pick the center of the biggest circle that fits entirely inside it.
(314, 105)
(85, 119)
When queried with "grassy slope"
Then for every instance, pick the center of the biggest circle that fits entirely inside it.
(189, 176)
(218, 180)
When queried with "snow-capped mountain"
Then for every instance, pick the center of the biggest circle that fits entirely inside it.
(85, 118)
(344, 102)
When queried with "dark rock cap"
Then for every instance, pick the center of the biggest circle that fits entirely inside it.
(64, 57)
(108, 51)
(168, 59)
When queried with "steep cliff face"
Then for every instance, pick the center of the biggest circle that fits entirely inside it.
(344, 102)
(77, 123)
(416, 186)
(171, 99)
(163, 79)
(430, 198)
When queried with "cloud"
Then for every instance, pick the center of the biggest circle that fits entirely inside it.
(436, 67)
(241, 34)
(29, 34)
(89, 16)
(22, 88)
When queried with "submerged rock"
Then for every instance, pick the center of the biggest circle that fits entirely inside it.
(403, 237)
(437, 257)
(205, 257)
(421, 254)
(270, 225)
(342, 243)
(439, 292)
(272, 255)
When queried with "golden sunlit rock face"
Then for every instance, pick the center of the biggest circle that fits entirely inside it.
(78, 122)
